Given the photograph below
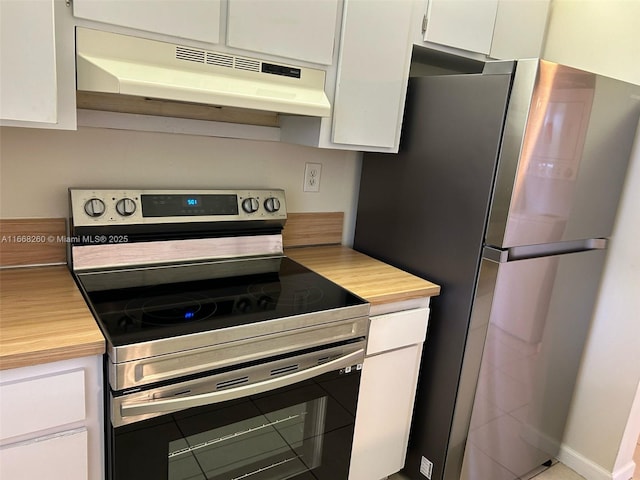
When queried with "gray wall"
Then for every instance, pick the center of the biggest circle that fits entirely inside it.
(37, 166)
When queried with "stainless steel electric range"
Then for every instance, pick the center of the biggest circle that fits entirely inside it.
(225, 359)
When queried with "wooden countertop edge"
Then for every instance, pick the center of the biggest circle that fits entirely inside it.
(38, 357)
(399, 297)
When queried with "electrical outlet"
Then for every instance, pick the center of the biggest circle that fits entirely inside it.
(312, 177)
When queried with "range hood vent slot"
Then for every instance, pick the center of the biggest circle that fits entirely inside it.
(111, 63)
(247, 64)
(190, 54)
(220, 59)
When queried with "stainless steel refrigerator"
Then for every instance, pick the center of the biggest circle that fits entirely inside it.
(504, 192)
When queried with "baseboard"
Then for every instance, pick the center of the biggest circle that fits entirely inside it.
(591, 470)
(625, 472)
(540, 440)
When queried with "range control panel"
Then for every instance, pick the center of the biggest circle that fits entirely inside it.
(96, 207)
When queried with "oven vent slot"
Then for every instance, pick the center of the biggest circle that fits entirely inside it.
(323, 360)
(231, 383)
(281, 370)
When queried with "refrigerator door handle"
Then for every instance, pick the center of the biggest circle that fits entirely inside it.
(495, 254)
(523, 252)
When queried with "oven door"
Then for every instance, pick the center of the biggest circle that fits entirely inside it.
(229, 426)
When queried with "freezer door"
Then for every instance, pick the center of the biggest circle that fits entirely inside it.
(567, 142)
(537, 327)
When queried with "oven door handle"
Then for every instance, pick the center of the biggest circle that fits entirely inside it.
(183, 403)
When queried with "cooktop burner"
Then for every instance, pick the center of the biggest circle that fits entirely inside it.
(144, 304)
(294, 295)
(170, 309)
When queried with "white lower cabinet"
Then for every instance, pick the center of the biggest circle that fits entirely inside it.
(387, 393)
(51, 421)
(61, 456)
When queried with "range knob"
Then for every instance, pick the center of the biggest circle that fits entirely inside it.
(243, 305)
(250, 205)
(126, 207)
(272, 204)
(94, 207)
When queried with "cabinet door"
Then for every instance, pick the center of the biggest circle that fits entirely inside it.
(37, 78)
(24, 24)
(57, 457)
(375, 52)
(464, 24)
(385, 407)
(194, 20)
(520, 29)
(297, 29)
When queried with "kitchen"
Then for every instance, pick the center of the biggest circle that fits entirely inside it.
(103, 157)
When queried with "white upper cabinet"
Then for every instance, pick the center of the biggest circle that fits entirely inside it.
(37, 77)
(520, 29)
(362, 46)
(368, 85)
(192, 19)
(464, 24)
(297, 29)
(375, 54)
(500, 29)
(294, 29)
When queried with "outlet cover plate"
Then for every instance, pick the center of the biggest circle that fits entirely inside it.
(312, 173)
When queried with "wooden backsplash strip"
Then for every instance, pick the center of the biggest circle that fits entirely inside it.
(304, 229)
(37, 241)
(32, 241)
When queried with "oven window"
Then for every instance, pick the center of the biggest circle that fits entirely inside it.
(301, 432)
(276, 445)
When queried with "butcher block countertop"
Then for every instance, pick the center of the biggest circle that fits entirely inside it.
(371, 279)
(43, 318)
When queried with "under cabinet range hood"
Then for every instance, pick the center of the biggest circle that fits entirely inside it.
(122, 64)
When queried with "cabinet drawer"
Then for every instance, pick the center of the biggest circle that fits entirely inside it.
(59, 457)
(395, 330)
(40, 403)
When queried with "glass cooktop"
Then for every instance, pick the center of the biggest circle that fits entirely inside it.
(145, 304)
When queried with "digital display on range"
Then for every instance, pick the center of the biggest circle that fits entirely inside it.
(178, 205)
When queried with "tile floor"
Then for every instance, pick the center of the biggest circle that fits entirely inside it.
(556, 472)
